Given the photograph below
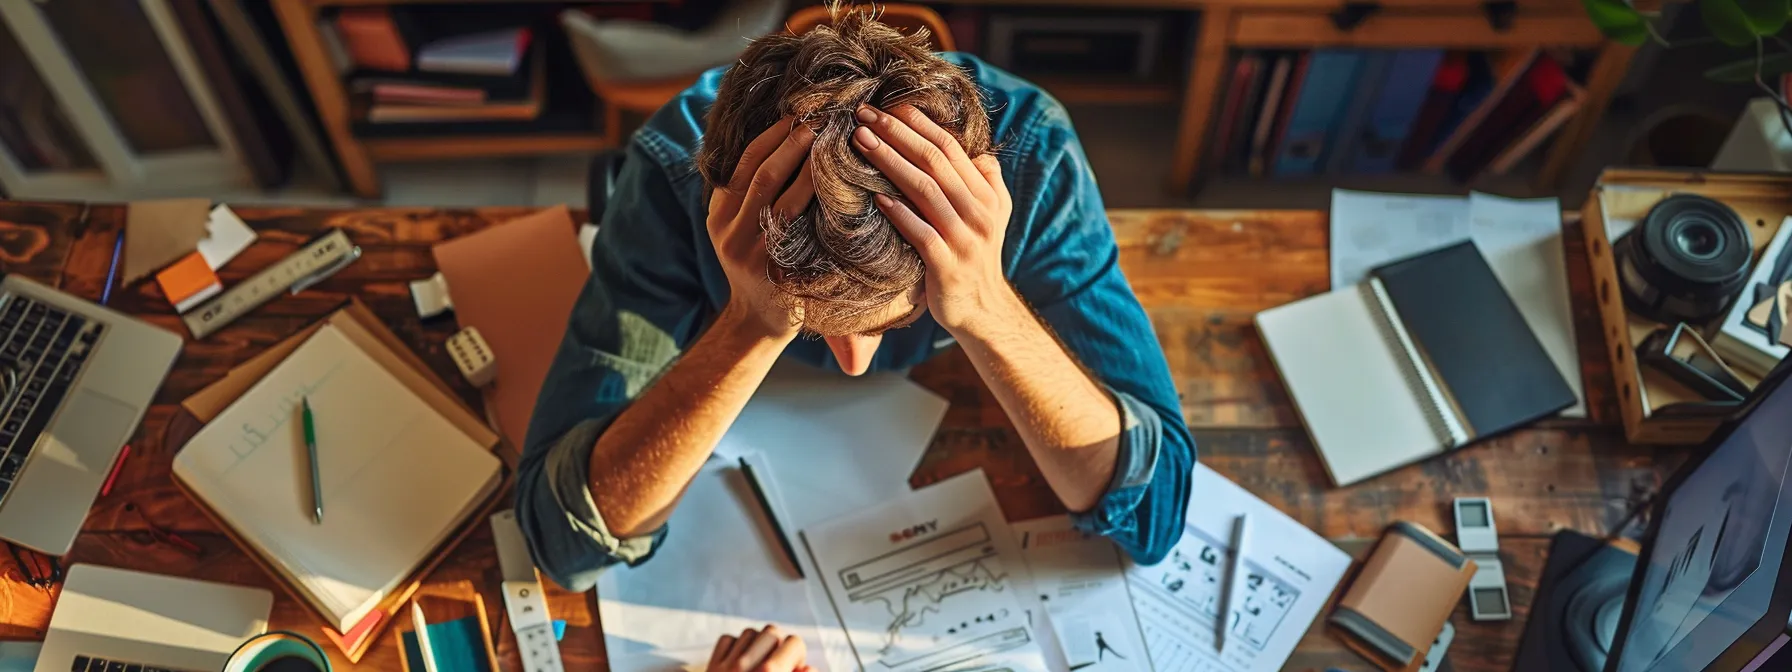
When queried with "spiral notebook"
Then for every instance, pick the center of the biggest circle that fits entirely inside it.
(1427, 355)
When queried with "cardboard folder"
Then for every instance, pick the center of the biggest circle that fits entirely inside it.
(358, 323)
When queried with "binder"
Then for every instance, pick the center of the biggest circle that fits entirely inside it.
(1428, 355)
(1398, 103)
(1324, 92)
(1350, 134)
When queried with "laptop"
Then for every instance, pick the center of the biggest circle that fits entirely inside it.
(114, 620)
(75, 379)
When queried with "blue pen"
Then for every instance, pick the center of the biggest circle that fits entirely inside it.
(112, 271)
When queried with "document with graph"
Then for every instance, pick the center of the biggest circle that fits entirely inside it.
(1289, 573)
(931, 581)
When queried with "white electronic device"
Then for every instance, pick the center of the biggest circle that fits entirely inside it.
(1477, 536)
(523, 599)
(1439, 646)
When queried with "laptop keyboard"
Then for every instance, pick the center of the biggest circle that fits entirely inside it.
(86, 664)
(42, 350)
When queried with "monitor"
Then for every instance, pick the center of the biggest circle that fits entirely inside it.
(1713, 585)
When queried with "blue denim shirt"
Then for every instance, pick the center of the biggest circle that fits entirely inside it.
(656, 284)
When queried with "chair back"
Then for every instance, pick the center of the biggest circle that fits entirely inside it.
(904, 18)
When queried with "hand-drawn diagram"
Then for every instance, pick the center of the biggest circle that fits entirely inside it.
(1181, 597)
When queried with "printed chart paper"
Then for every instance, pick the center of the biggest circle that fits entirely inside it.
(932, 580)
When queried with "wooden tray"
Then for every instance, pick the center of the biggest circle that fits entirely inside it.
(354, 313)
(1654, 406)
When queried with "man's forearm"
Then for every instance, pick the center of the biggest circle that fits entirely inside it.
(643, 461)
(1068, 421)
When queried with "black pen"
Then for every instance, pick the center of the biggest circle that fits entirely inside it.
(765, 504)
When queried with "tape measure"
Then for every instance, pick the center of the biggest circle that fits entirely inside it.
(301, 269)
(523, 599)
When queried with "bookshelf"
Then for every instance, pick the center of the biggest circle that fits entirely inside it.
(579, 127)
(1225, 26)
(1229, 25)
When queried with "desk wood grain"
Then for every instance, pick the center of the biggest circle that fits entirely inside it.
(1201, 275)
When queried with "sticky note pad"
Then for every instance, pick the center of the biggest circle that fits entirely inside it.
(189, 282)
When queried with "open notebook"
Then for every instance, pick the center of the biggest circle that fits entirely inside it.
(1427, 355)
(397, 475)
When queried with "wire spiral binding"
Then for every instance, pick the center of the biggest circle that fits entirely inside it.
(1442, 418)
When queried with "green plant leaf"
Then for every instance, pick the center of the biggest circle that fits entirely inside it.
(1743, 71)
(1726, 20)
(1766, 17)
(1618, 20)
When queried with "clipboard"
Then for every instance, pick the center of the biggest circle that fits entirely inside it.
(358, 323)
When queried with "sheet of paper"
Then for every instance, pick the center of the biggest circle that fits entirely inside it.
(837, 443)
(226, 235)
(842, 443)
(1370, 229)
(157, 233)
(931, 580)
(719, 571)
(1522, 240)
(1079, 579)
(1290, 573)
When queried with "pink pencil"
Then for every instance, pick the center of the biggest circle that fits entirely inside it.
(116, 467)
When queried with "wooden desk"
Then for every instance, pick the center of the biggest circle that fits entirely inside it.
(1202, 275)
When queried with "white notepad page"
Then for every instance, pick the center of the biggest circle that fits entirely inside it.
(1349, 384)
(397, 475)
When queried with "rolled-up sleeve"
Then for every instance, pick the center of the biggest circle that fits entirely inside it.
(1066, 264)
(640, 308)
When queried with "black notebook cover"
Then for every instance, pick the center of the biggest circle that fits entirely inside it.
(1478, 344)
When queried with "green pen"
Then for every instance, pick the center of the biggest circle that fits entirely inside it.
(317, 481)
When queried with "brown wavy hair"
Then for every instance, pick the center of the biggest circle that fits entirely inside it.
(841, 259)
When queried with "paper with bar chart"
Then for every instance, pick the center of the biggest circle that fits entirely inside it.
(931, 581)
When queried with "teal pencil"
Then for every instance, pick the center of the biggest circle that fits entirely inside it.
(317, 481)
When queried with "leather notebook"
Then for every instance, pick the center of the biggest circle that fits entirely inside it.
(1428, 355)
(1401, 598)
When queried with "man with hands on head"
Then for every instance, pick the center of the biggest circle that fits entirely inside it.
(888, 202)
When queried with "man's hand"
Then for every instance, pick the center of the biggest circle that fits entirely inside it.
(734, 224)
(963, 208)
(767, 650)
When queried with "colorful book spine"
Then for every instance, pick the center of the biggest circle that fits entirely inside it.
(1447, 87)
(1409, 79)
(1237, 99)
(1318, 110)
(1268, 113)
(1369, 81)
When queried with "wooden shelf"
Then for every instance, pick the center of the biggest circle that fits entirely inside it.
(463, 146)
(1073, 90)
(1297, 30)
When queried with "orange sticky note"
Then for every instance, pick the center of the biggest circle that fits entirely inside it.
(189, 282)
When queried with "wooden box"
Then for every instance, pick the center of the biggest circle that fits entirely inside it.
(1657, 409)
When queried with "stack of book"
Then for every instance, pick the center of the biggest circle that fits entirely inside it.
(404, 68)
(1289, 114)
